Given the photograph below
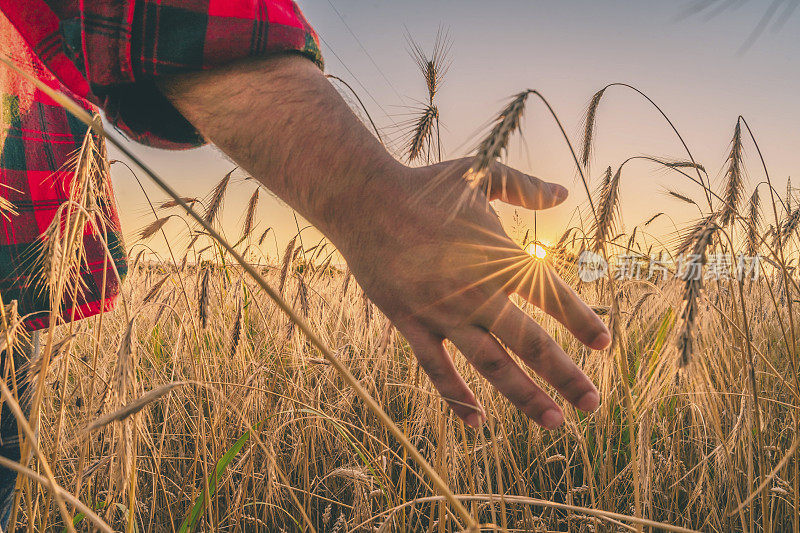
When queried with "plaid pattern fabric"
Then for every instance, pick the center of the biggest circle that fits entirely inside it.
(110, 51)
(36, 178)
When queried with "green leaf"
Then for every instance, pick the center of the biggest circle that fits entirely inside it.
(191, 519)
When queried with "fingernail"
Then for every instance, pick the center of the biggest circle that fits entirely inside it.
(551, 419)
(601, 341)
(588, 402)
(474, 420)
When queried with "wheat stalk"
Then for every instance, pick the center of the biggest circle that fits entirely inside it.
(589, 127)
(695, 232)
(123, 386)
(302, 296)
(236, 330)
(681, 197)
(684, 164)
(496, 142)
(652, 218)
(288, 255)
(263, 236)
(734, 178)
(422, 134)
(203, 299)
(752, 224)
(591, 117)
(433, 68)
(132, 407)
(607, 207)
(249, 218)
(153, 228)
(216, 198)
(154, 289)
(787, 227)
(693, 285)
(167, 204)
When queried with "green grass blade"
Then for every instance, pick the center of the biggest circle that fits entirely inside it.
(191, 519)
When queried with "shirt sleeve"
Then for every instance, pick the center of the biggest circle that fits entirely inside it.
(111, 52)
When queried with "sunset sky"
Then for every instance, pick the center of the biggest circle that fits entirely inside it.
(693, 66)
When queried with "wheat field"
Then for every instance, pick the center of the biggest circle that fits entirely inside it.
(201, 405)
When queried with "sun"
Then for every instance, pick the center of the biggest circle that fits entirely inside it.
(537, 250)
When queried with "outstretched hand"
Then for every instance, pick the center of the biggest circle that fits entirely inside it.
(441, 268)
(428, 249)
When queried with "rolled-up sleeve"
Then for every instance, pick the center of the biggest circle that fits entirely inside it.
(111, 52)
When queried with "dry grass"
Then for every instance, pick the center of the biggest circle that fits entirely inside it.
(338, 457)
(200, 405)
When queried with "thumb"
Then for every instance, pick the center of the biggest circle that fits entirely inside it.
(516, 188)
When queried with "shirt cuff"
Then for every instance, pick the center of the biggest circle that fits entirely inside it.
(129, 45)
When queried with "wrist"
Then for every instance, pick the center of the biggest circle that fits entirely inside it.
(349, 207)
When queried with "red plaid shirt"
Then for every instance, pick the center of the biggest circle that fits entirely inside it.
(108, 53)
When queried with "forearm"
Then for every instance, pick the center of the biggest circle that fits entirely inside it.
(436, 270)
(282, 121)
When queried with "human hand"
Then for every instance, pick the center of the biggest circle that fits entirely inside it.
(443, 268)
(437, 266)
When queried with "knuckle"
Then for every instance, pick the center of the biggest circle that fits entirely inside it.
(436, 371)
(573, 386)
(491, 364)
(536, 346)
(531, 402)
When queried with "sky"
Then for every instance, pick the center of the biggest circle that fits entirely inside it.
(700, 68)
